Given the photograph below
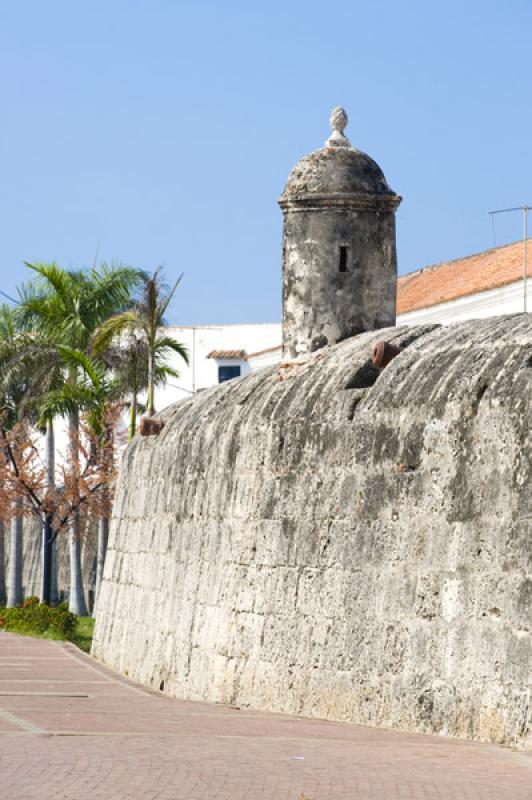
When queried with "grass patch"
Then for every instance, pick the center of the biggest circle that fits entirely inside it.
(48, 622)
(83, 633)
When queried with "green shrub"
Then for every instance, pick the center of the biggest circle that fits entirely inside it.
(37, 618)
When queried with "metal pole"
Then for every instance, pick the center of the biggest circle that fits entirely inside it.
(525, 209)
(525, 240)
(194, 360)
(9, 297)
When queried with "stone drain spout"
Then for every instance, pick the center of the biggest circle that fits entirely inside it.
(383, 353)
(150, 427)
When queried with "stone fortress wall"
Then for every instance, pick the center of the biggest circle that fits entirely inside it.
(327, 540)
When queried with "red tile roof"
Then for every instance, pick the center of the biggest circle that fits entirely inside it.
(228, 354)
(464, 276)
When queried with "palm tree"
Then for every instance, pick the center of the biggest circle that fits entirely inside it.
(65, 307)
(143, 323)
(101, 384)
(128, 362)
(34, 366)
(94, 393)
(76, 300)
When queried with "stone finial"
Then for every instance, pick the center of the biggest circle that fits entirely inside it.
(338, 120)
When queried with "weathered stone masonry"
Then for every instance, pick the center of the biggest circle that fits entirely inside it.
(330, 541)
(326, 539)
(339, 258)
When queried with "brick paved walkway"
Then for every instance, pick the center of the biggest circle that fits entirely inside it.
(72, 730)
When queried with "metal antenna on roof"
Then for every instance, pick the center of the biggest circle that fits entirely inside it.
(525, 209)
(9, 297)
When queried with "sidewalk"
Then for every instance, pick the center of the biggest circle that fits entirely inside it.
(73, 730)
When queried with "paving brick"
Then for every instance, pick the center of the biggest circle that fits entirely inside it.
(136, 744)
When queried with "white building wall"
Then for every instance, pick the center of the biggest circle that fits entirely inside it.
(201, 371)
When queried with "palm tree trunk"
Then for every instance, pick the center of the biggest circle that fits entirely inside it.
(14, 593)
(55, 588)
(151, 399)
(76, 602)
(134, 390)
(103, 536)
(46, 561)
(133, 416)
(2, 565)
(103, 525)
(47, 531)
(77, 596)
(50, 468)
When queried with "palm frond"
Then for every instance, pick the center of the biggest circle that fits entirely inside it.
(64, 402)
(112, 289)
(92, 369)
(51, 275)
(163, 371)
(165, 301)
(153, 288)
(112, 328)
(164, 345)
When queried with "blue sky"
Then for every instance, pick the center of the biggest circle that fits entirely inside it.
(162, 132)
